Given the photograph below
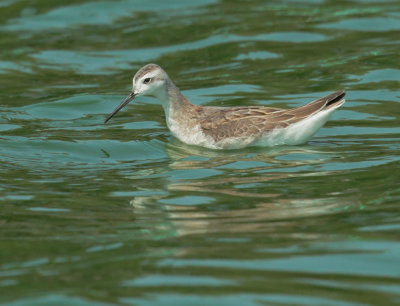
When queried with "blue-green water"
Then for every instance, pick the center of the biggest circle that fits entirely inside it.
(123, 214)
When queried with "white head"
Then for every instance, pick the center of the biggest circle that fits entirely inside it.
(150, 80)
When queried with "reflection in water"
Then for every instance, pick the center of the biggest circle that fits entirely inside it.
(166, 219)
(241, 202)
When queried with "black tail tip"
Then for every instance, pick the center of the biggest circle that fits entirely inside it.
(335, 97)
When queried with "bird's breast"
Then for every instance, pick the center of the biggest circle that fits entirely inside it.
(190, 133)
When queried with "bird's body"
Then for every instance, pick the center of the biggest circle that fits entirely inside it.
(231, 127)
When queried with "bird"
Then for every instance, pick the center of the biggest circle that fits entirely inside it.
(230, 127)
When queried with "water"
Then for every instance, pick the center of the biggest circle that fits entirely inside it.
(122, 213)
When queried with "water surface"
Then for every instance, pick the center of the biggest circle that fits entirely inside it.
(125, 214)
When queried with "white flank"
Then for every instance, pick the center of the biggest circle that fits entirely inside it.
(294, 134)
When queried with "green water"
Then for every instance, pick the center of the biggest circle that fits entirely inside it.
(123, 214)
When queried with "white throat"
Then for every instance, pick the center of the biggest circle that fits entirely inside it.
(164, 98)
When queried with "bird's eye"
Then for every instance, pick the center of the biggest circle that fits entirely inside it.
(146, 80)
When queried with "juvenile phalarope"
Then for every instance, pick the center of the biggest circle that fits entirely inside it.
(230, 127)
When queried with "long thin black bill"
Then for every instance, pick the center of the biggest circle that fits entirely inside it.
(125, 102)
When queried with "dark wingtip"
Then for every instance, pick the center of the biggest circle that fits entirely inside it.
(335, 97)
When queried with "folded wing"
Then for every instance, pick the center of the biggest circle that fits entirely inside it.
(221, 123)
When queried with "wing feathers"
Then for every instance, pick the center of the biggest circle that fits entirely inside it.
(221, 123)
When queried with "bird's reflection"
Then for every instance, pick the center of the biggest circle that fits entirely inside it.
(235, 209)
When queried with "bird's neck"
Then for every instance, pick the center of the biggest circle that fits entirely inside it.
(175, 105)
